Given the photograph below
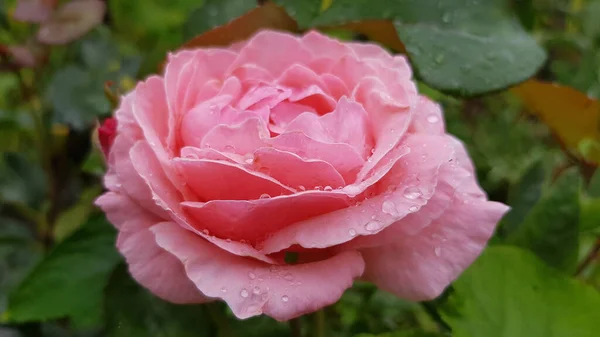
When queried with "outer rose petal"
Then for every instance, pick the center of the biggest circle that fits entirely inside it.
(253, 220)
(251, 287)
(149, 264)
(414, 178)
(420, 267)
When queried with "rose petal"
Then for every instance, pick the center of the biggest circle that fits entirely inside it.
(390, 117)
(412, 181)
(428, 118)
(153, 267)
(165, 198)
(251, 287)
(217, 180)
(346, 160)
(35, 11)
(253, 220)
(242, 138)
(71, 21)
(293, 171)
(288, 51)
(420, 267)
(319, 45)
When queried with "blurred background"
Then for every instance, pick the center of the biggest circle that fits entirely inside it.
(529, 117)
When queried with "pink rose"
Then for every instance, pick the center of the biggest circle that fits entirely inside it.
(283, 147)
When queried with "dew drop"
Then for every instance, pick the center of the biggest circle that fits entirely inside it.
(437, 251)
(251, 275)
(372, 151)
(447, 17)
(223, 290)
(244, 293)
(205, 232)
(302, 188)
(328, 188)
(318, 188)
(249, 160)
(389, 207)
(256, 291)
(265, 196)
(373, 225)
(229, 148)
(285, 298)
(413, 209)
(412, 193)
(439, 59)
(352, 190)
(288, 277)
(432, 119)
(352, 232)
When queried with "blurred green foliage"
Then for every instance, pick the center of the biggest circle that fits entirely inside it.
(60, 274)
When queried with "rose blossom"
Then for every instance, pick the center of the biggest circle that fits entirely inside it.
(283, 147)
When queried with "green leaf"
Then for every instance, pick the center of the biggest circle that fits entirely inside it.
(155, 26)
(18, 254)
(590, 206)
(76, 97)
(508, 292)
(21, 181)
(76, 92)
(407, 333)
(131, 311)
(70, 280)
(71, 219)
(215, 13)
(458, 46)
(3, 20)
(302, 11)
(551, 230)
(523, 196)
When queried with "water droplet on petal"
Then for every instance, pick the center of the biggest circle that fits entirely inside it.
(244, 293)
(372, 151)
(389, 207)
(438, 251)
(288, 277)
(265, 196)
(205, 232)
(352, 232)
(251, 275)
(229, 148)
(328, 188)
(302, 188)
(412, 193)
(285, 298)
(256, 291)
(413, 209)
(318, 188)
(223, 290)
(352, 190)
(432, 119)
(373, 225)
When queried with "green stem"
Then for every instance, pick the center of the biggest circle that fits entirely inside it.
(320, 324)
(216, 314)
(296, 327)
(432, 311)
